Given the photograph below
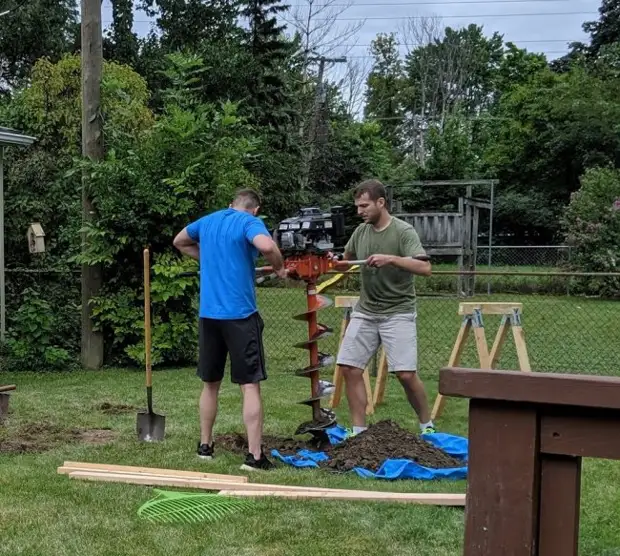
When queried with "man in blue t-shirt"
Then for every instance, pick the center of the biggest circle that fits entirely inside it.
(226, 243)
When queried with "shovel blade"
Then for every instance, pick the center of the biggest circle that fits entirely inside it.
(4, 406)
(150, 426)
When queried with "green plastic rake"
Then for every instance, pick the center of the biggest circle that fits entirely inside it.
(183, 507)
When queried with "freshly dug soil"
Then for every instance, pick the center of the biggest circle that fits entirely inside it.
(238, 444)
(386, 440)
(39, 437)
(115, 409)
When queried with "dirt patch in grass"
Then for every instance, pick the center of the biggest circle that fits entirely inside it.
(386, 440)
(39, 437)
(238, 444)
(115, 408)
(381, 441)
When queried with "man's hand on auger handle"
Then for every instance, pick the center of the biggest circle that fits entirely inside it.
(377, 260)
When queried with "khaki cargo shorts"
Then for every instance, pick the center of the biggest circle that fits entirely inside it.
(365, 333)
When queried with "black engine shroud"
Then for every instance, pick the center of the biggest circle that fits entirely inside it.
(312, 229)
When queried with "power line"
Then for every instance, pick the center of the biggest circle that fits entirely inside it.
(424, 3)
(459, 16)
(532, 52)
(447, 3)
(425, 44)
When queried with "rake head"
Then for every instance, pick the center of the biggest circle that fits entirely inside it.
(184, 507)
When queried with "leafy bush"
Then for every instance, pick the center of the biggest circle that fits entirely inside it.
(592, 226)
(32, 340)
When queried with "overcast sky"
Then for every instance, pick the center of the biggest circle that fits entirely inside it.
(538, 25)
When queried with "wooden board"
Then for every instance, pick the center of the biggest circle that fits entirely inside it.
(257, 488)
(191, 482)
(345, 301)
(359, 495)
(489, 308)
(71, 466)
(560, 389)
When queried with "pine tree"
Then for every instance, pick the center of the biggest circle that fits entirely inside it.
(272, 54)
(121, 44)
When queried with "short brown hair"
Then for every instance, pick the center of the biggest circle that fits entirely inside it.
(374, 188)
(247, 198)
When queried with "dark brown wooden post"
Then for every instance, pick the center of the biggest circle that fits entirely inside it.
(527, 434)
(503, 449)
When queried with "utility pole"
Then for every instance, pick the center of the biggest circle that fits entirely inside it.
(308, 155)
(92, 147)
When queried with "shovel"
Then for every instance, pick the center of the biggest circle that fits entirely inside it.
(150, 425)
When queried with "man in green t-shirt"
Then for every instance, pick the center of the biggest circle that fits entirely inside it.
(386, 311)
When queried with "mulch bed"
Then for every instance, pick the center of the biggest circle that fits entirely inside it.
(381, 441)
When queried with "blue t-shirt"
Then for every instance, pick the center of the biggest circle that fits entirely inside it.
(227, 263)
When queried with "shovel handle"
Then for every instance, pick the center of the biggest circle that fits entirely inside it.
(7, 388)
(147, 319)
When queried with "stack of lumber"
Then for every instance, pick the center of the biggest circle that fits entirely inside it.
(238, 485)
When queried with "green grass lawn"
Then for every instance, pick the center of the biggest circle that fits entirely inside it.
(43, 513)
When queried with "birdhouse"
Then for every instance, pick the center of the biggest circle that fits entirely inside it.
(36, 238)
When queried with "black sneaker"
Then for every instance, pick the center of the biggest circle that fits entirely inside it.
(252, 464)
(205, 451)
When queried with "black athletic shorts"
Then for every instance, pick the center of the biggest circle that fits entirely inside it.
(242, 339)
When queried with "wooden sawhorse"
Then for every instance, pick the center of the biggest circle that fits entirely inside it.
(472, 320)
(348, 302)
(527, 435)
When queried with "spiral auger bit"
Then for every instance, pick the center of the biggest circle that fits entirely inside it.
(309, 267)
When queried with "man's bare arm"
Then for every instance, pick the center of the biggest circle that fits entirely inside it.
(269, 249)
(186, 244)
(413, 265)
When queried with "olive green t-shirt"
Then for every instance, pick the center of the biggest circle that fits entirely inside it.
(389, 289)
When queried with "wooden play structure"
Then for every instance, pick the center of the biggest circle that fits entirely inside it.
(472, 314)
(347, 302)
(528, 433)
(453, 233)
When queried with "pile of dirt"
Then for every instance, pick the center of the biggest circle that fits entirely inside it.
(386, 440)
(115, 409)
(381, 441)
(39, 437)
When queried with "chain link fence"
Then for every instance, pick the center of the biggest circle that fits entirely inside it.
(563, 333)
(523, 256)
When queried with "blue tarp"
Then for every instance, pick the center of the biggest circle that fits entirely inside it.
(391, 469)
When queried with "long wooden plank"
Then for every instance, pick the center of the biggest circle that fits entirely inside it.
(160, 480)
(70, 466)
(154, 480)
(361, 495)
(489, 308)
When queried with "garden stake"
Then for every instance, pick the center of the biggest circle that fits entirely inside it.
(150, 425)
(4, 400)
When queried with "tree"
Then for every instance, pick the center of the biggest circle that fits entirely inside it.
(31, 30)
(542, 137)
(185, 24)
(385, 84)
(591, 224)
(606, 30)
(121, 44)
(272, 54)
